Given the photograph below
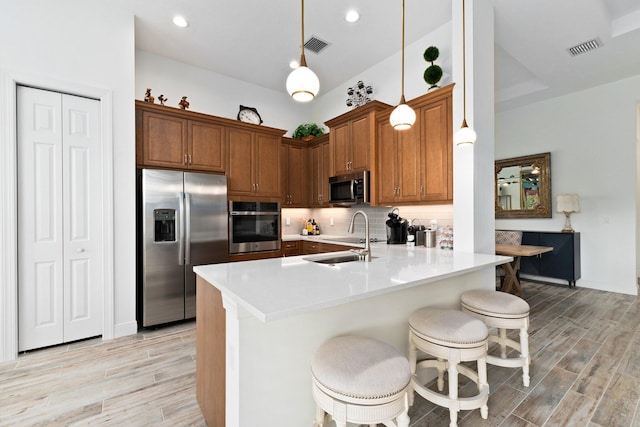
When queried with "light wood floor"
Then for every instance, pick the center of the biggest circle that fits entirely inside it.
(585, 372)
(140, 380)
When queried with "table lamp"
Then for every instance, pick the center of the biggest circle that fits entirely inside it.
(568, 204)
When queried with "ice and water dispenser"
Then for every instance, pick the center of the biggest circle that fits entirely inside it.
(164, 225)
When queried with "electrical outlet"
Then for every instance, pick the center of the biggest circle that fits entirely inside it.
(331, 222)
(287, 221)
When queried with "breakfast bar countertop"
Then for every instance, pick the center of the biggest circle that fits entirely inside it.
(278, 288)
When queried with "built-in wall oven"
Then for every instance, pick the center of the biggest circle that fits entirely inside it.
(254, 227)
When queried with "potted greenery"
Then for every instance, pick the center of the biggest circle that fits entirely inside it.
(433, 73)
(307, 131)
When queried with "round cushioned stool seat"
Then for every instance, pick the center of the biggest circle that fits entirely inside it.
(448, 327)
(495, 304)
(360, 380)
(360, 367)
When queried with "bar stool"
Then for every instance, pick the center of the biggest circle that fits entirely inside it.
(502, 311)
(452, 337)
(360, 380)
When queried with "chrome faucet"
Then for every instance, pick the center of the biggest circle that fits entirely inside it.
(366, 252)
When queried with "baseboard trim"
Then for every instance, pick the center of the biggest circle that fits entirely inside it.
(124, 329)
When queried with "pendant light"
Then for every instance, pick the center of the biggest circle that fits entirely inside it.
(403, 116)
(464, 135)
(303, 84)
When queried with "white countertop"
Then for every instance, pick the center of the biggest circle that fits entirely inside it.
(277, 288)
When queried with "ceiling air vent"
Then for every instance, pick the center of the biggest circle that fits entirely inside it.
(585, 47)
(315, 45)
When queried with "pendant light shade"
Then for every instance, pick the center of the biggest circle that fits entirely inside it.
(403, 116)
(303, 84)
(465, 135)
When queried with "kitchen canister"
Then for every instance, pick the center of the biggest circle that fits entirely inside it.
(430, 238)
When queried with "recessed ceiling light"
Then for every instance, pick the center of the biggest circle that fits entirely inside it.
(294, 64)
(352, 16)
(180, 21)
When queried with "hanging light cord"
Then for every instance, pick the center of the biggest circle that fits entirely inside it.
(303, 60)
(402, 100)
(464, 71)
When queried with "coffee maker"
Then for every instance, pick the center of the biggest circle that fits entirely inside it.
(396, 228)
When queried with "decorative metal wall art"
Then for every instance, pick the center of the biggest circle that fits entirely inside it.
(359, 94)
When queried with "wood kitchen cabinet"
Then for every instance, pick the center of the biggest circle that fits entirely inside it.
(415, 166)
(291, 248)
(171, 138)
(253, 168)
(400, 167)
(319, 167)
(353, 138)
(294, 158)
(309, 247)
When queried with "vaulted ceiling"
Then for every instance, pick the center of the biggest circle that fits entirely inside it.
(254, 40)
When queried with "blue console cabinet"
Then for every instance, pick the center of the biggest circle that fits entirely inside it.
(562, 263)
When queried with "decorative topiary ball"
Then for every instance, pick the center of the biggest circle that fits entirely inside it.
(431, 54)
(432, 75)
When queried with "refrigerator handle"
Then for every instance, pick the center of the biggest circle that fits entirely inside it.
(187, 235)
(181, 238)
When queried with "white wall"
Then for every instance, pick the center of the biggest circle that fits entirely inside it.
(592, 139)
(385, 77)
(215, 94)
(85, 44)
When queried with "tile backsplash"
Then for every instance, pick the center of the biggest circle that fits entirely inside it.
(377, 218)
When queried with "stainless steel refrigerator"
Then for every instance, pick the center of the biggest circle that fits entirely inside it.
(182, 222)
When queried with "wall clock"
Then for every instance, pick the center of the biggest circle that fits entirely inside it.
(249, 115)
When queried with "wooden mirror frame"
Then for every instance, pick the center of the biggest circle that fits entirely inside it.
(543, 210)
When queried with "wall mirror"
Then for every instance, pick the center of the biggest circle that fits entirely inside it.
(523, 187)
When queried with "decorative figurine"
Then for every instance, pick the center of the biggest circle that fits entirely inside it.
(148, 97)
(184, 104)
(162, 99)
(359, 94)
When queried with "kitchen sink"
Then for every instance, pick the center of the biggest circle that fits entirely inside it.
(354, 240)
(333, 258)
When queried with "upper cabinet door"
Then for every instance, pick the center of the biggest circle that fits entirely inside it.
(266, 161)
(341, 145)
(164, 140)
(436, 151)
(360, 143)
(240, 173)
(206, 147)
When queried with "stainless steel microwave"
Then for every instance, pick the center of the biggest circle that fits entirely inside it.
(349, 189)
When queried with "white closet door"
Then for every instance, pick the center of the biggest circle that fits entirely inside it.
(82, 217)
(59, 216)
(40, 257)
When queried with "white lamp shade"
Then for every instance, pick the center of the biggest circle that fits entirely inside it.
(465, 135)
(567, 203)
(303, 84)
(402, 117)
